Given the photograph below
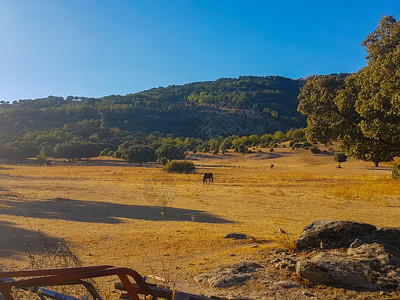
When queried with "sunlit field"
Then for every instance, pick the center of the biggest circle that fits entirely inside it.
(173, 225)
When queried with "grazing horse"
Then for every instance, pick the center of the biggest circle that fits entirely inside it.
(209, 177)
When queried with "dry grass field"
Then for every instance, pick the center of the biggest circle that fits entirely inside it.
(172, 225)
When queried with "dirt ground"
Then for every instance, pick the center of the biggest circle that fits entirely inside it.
(173, 225)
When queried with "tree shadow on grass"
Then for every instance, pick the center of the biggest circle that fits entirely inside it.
(14, 239)
(101, 212)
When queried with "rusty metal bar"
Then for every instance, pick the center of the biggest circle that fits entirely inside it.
(129, 287)
(165, 293)
(71, 276)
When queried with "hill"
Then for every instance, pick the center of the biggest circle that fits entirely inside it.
(244, 105)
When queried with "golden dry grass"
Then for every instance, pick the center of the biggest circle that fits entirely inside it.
(172, 224)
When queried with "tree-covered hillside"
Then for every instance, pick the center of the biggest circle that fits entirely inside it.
(246, 105)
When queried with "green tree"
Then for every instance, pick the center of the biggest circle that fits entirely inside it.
(170, 152)
(340, 157)
(241, 148)
(254, 139)
(362, 111)
(18, 150)
(139, 154)
(226, 144)
(47, 151)
(279, 136)
(214, 145)
(317, 101)
(76, 149)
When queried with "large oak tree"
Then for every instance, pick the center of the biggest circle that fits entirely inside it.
(362, 110)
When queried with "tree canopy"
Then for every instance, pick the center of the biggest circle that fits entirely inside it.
(363, 109)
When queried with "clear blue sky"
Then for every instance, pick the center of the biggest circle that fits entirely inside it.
(96, 47)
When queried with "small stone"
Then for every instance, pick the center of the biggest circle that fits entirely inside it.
(291, 268)
(279, 251)
(237, 236)
(276, 260)
(287, 284)
(281, 266)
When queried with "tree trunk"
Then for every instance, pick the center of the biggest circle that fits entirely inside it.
(376, 163)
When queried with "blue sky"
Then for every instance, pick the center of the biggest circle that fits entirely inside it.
(96, 48)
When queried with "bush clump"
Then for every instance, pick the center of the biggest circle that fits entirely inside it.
(42, 160)
(315, 150)
(179, 166)
(396, 172)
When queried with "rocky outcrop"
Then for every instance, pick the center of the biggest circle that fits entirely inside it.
(371, 261)
(332, 234)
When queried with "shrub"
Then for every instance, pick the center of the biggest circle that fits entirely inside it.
(179, 166)
(42, 160)
(163, 160)
(396, 172)
(271, 150)
(315, 150)
(241, 149)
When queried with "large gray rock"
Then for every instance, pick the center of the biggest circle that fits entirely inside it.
(333, 234)
(372, 260)
(233, 275)
(369, 266)
(389, 237)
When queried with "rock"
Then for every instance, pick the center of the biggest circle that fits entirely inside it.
(332, 234)
(237, 236)
(281, 265)
(372, 260)
(373, 251)
(361, 267)
(389, 237)
(233, 275)
(276, 260)
(287, 284)
(279, 251)
(308, 294)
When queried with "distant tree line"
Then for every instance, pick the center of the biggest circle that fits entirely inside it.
(137, 148)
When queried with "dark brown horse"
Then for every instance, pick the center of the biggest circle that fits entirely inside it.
(208, 177)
